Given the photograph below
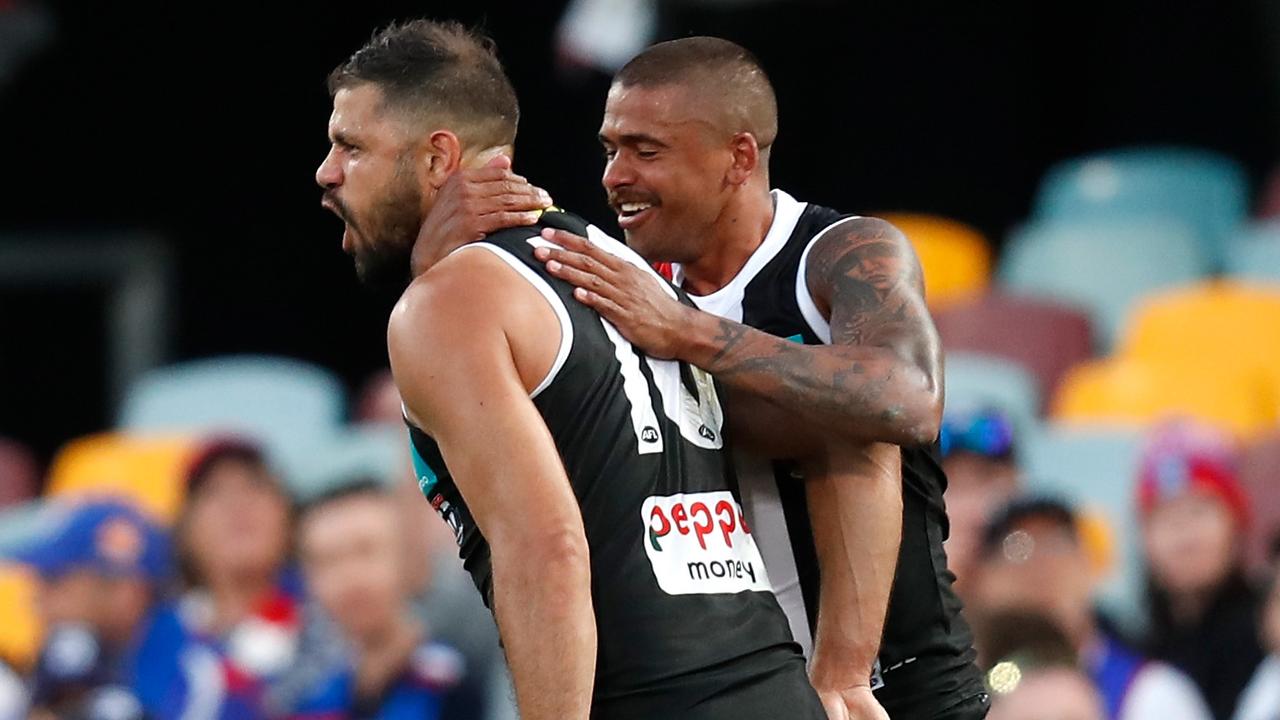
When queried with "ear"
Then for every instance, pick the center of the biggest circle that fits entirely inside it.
(746, 158)
(443, 157)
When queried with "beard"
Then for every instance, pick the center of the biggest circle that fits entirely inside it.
(385, 235)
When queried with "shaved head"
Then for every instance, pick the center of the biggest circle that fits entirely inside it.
(722, 78)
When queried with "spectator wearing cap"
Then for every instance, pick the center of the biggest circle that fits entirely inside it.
(1034, 560)
(982, 474)
(349, 545)
(100, 570)
(1194, 514)
(1261, 697)
(234, 631)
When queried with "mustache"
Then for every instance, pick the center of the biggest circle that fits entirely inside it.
(617, 198)
(337, 206)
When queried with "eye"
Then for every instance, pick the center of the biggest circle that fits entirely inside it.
(646, 154)
(610, 153)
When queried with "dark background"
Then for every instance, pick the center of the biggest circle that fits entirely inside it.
(202, 123)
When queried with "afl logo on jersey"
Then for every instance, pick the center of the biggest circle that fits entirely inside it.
(707, 433)
(649, 434)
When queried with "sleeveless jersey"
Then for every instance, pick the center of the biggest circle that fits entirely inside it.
(926, 660)
(682, 600)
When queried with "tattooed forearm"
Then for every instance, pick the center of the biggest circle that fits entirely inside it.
(880, 377)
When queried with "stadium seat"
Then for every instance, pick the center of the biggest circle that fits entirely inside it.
(955, 257)
(1103, 267)
(1095, 468)
(19, 478)
(1205, 190)
(975, 382)
(1134, 393)
(290, 406)
(1254, 254)
(368, 451)
(1226, 328)
(20, 524)
(1045, 337)
(146, 470)
(1260, 475)
(20, 639)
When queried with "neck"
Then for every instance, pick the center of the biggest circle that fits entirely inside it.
(1187, 608)
(235, 595)
(382, 653)
(736, 234)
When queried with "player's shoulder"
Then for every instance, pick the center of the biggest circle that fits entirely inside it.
(554, 218)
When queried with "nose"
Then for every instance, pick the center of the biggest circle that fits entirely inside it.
(329, 174)
(618, 173)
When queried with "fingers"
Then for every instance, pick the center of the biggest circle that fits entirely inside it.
(583, 278)
(499, 161)
(610, 310)
(496, 221)
(581, 246)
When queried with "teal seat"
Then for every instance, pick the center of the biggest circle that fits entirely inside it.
(1096, 468)
(1208, 192)
(290, 406)
(24, 523)
(1101, 266)
(1254, 253)
(975, 382)
(368, 451)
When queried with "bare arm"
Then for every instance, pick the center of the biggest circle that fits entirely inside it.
(458, 364)
(855, 508)
(878, 380)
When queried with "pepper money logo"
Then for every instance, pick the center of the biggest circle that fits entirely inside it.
(699, 543)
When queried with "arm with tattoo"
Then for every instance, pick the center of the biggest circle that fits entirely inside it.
(880, 379)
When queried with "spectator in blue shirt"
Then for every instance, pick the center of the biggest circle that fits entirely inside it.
(353, 561)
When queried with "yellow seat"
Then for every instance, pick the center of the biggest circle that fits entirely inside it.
(20, 629)
(1231, 327)
(1137, 392)
(956, 258)
(143, 469)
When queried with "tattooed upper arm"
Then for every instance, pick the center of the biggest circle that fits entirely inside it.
(864, 276)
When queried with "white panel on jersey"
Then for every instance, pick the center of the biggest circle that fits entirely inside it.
(727, 301)
(808, 308)
(700, 418)
(698, 544)
(768, 523)
(643, 419)
(557, 306)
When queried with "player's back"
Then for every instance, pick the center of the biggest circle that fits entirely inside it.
(686, 622)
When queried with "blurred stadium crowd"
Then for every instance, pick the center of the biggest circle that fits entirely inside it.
(1112, 440)
(1113, 449)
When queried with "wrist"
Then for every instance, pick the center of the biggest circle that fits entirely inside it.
(695, 341)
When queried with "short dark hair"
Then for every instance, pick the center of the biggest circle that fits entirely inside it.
(733, 71)
(352, 488)
(441, 70)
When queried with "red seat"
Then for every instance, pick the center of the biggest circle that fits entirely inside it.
(19, 476)
(1045, 337)
(1260, 475)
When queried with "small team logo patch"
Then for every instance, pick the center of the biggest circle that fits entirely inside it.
(649, 434)
(699, 543)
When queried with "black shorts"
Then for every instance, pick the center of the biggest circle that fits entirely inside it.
(781, 693)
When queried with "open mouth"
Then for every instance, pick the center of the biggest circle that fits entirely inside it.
(631, 214)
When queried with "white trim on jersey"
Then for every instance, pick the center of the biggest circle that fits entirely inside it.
(557, 306)
(727, 301)
(808, 308)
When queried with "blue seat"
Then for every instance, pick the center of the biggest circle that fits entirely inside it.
(1104, 267)
(368, 451)
(1207, 191)
(1096, 469)
(975, 381)
(1254, 253)
(292, 407)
